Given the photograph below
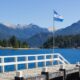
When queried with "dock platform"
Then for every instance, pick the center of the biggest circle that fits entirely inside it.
(32, 74)
(62, 69)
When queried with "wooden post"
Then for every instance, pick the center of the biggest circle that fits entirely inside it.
(46, 73)
(19, 76)
(78, 65)
(64, 71)
(79, 72)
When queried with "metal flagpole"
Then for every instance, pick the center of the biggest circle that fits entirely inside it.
(53, 32)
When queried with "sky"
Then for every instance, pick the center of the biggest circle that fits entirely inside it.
(39, 12)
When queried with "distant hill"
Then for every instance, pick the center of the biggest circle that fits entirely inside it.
(72, 41)
(38, 39)
(21, 32)
(68, 37)
(73, 29)
(48, 43)
(33, 34)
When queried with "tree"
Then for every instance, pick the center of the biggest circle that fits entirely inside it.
(5, 43)
(24, 45)
(70, 41)
(14, 42)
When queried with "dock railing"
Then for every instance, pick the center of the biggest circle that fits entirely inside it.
(51, 57)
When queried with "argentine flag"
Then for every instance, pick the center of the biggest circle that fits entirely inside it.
(58, 17)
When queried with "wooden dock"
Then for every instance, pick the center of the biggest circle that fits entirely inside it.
(52, 72)
(36, 74)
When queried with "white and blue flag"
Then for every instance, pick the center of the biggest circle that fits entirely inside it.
(58, 17)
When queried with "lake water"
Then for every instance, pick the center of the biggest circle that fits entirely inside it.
(72, 55)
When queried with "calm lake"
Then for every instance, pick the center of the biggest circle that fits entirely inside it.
(72, 55)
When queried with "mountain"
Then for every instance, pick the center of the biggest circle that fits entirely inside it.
(38, 39)
(21, 32)
(48, 43)
(73, 29)
(33, 34)
(70, 37)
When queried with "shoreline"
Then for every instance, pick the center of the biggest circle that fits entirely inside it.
(17, 48)
(11, 48)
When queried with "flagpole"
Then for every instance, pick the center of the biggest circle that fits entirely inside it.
(55, 18)
(53, 31)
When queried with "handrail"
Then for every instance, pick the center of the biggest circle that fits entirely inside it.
(58, 58)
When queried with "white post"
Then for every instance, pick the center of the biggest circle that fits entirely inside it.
(16, 67)
(58, 60)
(26, 62)
(52, 60)
(45, 60)
(2, 61)
(36, 58)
